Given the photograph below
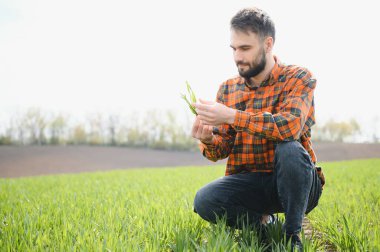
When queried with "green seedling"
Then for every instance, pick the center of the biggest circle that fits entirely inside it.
(192, 97)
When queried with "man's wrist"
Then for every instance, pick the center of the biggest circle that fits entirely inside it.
(231, 116)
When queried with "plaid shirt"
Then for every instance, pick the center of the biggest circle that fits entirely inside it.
(280, 109)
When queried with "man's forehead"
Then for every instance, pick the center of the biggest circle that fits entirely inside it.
(239, 38)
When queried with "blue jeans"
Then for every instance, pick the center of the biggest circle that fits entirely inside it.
(294, 188)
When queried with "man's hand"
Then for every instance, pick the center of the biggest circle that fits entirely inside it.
(214, 113)
(201, 131)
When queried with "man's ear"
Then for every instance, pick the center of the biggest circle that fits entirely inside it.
(268, 43)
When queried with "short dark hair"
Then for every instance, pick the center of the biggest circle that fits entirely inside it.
(254, 20)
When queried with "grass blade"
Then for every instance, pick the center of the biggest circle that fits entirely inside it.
(188, 103)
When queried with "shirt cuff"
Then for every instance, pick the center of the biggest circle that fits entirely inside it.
(241, 120)
(208, 146)
(203, 146)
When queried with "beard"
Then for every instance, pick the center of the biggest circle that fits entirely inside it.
(254, 68)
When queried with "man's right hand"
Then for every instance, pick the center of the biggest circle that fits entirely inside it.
(201, 131)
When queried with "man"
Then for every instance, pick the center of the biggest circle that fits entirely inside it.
(262, 122)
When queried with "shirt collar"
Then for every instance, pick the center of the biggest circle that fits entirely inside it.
(273, 76)
(275, 73)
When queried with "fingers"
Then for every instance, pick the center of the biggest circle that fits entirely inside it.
(201, 131)
(206, 102)
(195, 127)
(202, 107)
(206, 120)
(207, 132)
(205, 112)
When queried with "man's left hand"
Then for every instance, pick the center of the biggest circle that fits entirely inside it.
(214, 113)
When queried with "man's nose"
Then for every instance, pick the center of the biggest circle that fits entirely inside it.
(238, 57)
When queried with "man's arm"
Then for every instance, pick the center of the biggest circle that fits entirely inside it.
(217, 143)
(286, 125)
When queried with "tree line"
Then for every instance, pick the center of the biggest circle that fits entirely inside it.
(155, 129)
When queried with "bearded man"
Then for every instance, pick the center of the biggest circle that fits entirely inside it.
(261, 121)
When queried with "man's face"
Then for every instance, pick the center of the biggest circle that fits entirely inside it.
(249, 53)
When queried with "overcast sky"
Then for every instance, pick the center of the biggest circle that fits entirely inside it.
(81, 56)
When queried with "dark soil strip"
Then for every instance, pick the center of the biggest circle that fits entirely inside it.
(17, 161)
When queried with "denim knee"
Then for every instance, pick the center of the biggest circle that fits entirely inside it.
(197, 202)
(291, 152)
(202, 205)
(286, 149)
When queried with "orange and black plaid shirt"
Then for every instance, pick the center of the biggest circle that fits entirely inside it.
(280, 109)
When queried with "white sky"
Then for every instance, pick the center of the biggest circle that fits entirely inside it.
(81, 56)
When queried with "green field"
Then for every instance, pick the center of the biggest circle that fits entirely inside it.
(152, 210)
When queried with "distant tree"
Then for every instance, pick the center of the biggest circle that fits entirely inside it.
(18, 130)
(6, 138)
(35, 124)
(155, 129)
(179, 135)
(340, 131)
(137, 131)
(173, 129)
(57, 127)
(97, 129)
(113, 126)
(355, 128)
(121, 135)
(78, 135)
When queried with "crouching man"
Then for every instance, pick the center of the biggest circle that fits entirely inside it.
(262, 122)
